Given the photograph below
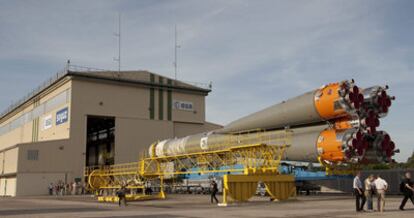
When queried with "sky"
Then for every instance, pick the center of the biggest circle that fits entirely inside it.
(255, 53)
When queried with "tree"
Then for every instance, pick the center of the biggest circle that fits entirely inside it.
(410, 161)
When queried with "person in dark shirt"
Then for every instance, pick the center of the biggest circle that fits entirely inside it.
(407, 189)
(214, 191)
(121, 193)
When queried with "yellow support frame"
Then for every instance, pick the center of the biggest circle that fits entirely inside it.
(242, 187)
(260, 162)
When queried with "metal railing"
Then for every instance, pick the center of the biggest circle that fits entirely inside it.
(62, 73)
(34, 92)
(207, 86)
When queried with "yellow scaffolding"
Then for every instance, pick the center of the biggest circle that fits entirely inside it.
(260, 161)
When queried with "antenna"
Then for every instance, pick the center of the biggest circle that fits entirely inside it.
(176, 46)
(118, 34)
(67, 65)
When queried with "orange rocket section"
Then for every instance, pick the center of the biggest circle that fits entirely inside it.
(330, 100)
(325, 102)
(329, 147)
(343, 124)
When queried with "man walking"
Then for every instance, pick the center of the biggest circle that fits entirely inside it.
(214, 190)
(121, 193)
(359, 194)
(369, 191)
(407, 189)
(381, 187)
(50, 188)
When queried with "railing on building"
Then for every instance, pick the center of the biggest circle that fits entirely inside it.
(63, 73)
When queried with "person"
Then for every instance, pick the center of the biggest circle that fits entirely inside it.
(50, 188)
(214, 191)
(121, 193)
(70, 189)
(369, 191)
(61, 188)
(359, 194)
(381, 187)
(407, 189)
(83, 188)
(67, 189)
(56, 188)
(74, 187)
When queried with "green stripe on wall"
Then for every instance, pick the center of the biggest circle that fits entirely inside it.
(36, 137)
(33, 130)
(161, 101)
(169, 103)
(152, 96)
(35, 124)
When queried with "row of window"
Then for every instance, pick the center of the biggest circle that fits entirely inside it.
(46, 107)
(32, 154)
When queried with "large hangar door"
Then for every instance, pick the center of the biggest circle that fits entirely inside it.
(100, 142)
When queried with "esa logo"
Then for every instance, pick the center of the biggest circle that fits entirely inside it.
(62, 116)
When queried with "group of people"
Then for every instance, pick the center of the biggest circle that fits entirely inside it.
(377, 186)
(61, 188)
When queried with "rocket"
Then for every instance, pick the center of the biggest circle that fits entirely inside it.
(336, 123)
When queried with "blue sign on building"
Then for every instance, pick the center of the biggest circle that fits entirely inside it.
(62, 116)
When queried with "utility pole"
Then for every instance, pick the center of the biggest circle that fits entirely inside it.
(67, 65)
(118, 34)
(176, 46)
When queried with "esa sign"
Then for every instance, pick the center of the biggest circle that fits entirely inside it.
(183, 105)
(62, 116)
(47, 122)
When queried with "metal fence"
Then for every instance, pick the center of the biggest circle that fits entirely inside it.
(393, 178)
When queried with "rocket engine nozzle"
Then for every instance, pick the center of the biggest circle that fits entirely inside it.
(377, 100)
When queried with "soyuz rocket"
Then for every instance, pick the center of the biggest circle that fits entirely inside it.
(336, 123)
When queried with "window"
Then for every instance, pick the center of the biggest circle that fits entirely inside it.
(33, 155)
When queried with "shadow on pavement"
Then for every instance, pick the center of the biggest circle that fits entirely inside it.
(48, 210)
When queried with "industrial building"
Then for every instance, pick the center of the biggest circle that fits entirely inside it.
(84, 118)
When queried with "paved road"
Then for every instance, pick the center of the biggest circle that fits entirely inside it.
(193, 206)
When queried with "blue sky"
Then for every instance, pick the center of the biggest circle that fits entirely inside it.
(256, 53)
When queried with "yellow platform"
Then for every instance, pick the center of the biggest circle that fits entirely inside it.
(135, 197)
(242, 187)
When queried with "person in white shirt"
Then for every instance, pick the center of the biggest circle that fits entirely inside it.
(381, 186)
(359, 193)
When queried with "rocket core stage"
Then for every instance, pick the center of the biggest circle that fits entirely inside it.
(336, 123)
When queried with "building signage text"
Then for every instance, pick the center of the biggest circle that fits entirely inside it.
(47, 122)
(62, 116)
(183, 105)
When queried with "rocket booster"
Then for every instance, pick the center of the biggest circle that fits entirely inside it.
(336, 123)
(332, 101)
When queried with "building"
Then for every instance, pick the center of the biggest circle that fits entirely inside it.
(85, 118)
